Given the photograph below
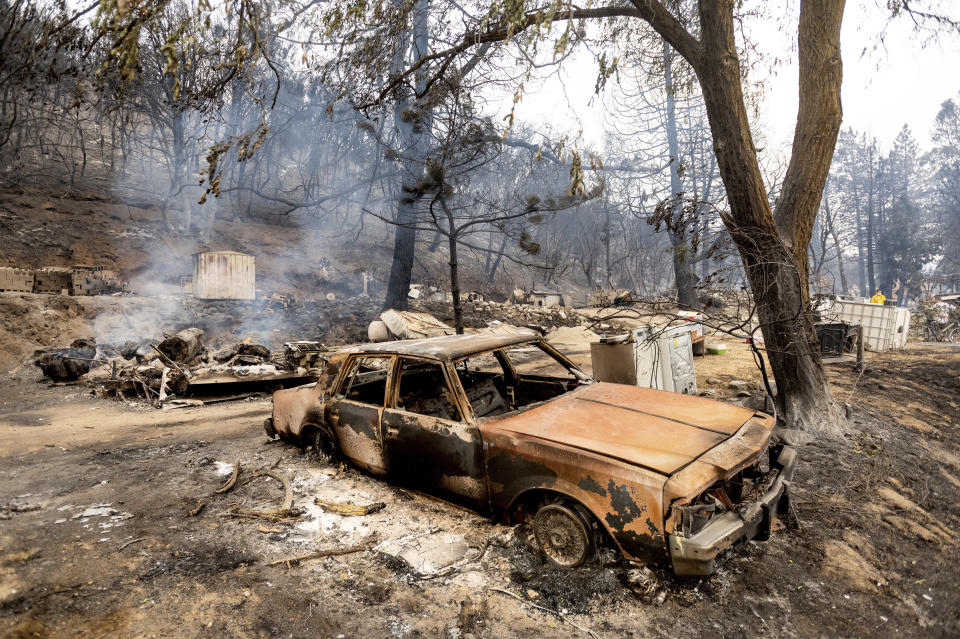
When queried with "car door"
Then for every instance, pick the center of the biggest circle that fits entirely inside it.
(431, 438)
(356, 408)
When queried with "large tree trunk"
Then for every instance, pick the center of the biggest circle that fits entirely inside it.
(413, 136)
(777, 267)
(686, 280)
(871, 236)
(492, 272)
(861, 253)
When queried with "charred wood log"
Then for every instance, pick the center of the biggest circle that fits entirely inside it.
(185, 347)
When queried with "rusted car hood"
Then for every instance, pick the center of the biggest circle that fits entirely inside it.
(657, 430)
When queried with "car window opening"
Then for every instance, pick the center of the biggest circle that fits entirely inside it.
(366, 381)
(423, 390)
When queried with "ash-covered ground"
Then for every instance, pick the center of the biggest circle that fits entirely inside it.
(98, 538)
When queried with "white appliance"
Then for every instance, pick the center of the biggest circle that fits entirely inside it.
(649, 358)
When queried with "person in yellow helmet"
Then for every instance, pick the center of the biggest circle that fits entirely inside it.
(878, 298)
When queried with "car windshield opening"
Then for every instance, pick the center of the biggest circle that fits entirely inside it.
(510, 379)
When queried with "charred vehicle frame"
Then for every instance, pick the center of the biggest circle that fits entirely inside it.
(666, 478)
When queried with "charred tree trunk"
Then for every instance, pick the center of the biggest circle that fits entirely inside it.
(870, 233)
(185, 347)
(404, 242)
(452, 234)
(775, 259)
(861, 271)
(492, 273)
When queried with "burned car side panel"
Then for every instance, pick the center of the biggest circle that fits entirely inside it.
(623, 498)
(355, 410)
(435, 451)
(357, 428)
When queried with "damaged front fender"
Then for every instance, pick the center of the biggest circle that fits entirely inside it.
(295, 407)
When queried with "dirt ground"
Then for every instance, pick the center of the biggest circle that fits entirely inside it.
(97, 537)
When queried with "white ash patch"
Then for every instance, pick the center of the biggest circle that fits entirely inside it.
(224, 469)
(97, 510)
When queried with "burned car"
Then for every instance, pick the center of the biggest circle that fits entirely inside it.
(509, 425)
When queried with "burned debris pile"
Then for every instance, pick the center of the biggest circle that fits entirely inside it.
(222, 348)
(179, 367)
(68, 363)
(479, 314)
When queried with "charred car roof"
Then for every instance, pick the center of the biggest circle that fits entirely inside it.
(449, 348)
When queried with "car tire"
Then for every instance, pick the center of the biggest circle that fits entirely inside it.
(564, 534)
(269, 429)
(323, 445)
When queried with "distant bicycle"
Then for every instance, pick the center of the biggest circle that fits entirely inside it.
(937, 332)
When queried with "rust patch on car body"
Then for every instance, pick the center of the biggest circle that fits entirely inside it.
(590, 484)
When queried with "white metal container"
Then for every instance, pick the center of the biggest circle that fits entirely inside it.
(884, 327)
(664, 362)
(224, 275)
(902, 327)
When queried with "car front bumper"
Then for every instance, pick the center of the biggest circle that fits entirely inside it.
(695, 555)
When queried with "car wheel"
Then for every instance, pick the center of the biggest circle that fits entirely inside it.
(323, 445)
(563, 534)
(269, 429)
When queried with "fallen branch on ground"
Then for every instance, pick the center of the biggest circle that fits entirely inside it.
(231, 482)
(132, 541)
(320, 554)
(349, 510)
(285, 511)
(15, 557)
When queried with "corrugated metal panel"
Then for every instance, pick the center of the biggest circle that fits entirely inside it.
(225, 275)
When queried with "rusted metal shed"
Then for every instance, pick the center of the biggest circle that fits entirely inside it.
(224, 275)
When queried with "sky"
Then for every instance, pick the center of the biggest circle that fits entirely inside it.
(904, 81)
